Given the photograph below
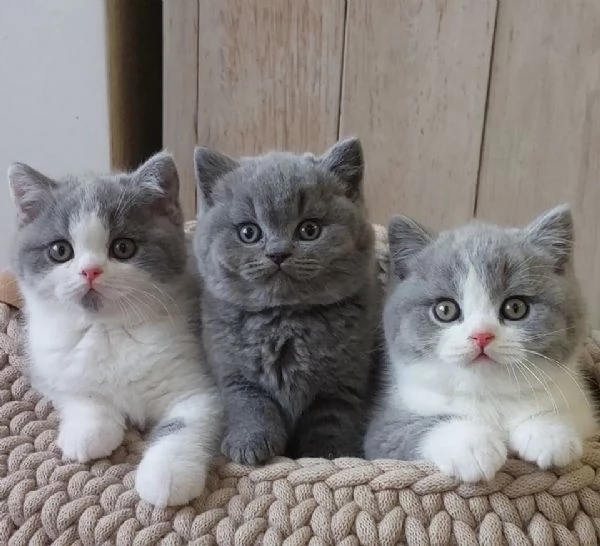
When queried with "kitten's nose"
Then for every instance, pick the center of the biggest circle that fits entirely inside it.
(90, 273)
(278, 257)
(482, 339)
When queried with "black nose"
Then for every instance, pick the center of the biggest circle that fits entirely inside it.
(279, 257)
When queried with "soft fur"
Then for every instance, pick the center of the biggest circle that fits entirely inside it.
(124, 351)
(291, 347)
(444, 401)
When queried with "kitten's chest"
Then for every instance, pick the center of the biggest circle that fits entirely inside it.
(97, 361)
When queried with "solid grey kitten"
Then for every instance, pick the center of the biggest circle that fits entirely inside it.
(517, 284)
(290, 302)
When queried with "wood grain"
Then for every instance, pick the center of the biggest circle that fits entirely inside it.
(269, 74)
(134, 75)
(542, 137)
(415, 86)
(180, 84)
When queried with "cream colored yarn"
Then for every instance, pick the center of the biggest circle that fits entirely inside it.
(44, 500)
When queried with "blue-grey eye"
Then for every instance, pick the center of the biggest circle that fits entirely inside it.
(309, 230)
(123, 249)
(446, 310)
(60, 251)
(514, 309)
(249, 233)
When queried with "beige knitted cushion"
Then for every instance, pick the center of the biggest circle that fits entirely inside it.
(44, 500)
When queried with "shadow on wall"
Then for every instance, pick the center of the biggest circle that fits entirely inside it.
(134, 38)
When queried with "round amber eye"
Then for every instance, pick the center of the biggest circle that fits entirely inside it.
(123, 249)
(60, 251)
(249, 233)
(446, 310)
(309, 230)
(514, 309)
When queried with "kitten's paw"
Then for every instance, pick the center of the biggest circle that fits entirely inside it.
(251, 447)
(85, 439)
(465, 450)
(547, 442)
(165, 479)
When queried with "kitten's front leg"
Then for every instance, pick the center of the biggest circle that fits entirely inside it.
(255, 430)
(175, 465)
(465, 449)
(89, 429)
(546, 439)
(329, 428)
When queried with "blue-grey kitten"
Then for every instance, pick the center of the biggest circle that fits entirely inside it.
(484, 326)
(290, 305)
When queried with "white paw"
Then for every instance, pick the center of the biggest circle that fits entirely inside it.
(547, 442)
(465, 450)
(85, 439)
(165, 479)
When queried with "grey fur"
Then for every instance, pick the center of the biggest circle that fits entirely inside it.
(142, 205)
(292, 352)
(165, 428)
(535, 262)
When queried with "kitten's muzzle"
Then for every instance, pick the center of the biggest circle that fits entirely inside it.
(91, 273)
(278, 257)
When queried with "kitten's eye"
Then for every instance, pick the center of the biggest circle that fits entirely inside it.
(514, 309)
(446, 310)
(123, 249)
(249, 233)
(309, 230)
(60, 252)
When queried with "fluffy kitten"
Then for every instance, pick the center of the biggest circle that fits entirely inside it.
(102, 266)
(289, 307)
(483, 327)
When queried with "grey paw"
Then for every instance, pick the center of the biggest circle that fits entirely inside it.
(251, 448)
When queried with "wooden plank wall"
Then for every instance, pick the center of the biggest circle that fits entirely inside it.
(486, 108)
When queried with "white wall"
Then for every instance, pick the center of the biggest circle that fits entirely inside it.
(53, 92)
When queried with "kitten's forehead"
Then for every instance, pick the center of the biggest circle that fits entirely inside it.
(499, 258)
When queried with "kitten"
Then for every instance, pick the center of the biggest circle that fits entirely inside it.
(484, 326)
(289, 307)
(102, 267)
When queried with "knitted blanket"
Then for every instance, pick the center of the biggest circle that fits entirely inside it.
(45, 500)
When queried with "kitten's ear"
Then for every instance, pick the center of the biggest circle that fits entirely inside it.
(31, 191)
(159, 175)
(345, 160)
(209, 166)
(406, 238)
(553, 231)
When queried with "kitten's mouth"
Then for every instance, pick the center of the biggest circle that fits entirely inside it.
(92, 300)
(481, 358)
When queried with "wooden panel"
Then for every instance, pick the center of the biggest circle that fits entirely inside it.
(180, 77)
(134, 75)
(269, 74)
(415, 86)
(542, 139)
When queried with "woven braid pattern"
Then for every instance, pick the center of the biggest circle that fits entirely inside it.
(44, 500)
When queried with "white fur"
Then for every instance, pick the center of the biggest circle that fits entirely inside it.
(134, 361)
(540, 411)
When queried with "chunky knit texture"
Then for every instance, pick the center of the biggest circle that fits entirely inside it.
(45, 500)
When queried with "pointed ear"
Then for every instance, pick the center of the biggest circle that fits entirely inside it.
(209, 166)
(159, 175)
(345, 160)
(31, 191)
(406, 238)
(553, 232)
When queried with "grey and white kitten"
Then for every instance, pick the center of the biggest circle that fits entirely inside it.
(290, 307)
(101, 262)
(484, 326)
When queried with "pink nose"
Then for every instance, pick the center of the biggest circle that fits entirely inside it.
(482, 339)
(90, 273)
